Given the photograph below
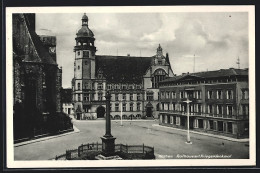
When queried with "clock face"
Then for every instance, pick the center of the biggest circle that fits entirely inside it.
(52, 49)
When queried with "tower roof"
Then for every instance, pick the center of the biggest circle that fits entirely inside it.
(84, 17)
(85, 31)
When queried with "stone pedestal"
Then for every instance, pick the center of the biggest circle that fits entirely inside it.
(108, 146)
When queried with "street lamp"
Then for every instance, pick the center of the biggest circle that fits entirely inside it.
(188, 121)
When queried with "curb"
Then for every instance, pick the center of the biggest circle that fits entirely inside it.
(206, 134)
(76, 130)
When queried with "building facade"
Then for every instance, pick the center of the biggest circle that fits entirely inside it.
(36, 80)
(66, 100)
(220, 102)
(132, 81)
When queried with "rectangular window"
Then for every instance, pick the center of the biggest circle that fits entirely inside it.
(100, 86)
(219, 94)
(210, 109)
(78, 53)
(130, 87)
(117, 107)
(138, 87)
(229, 94)
(79, 97)
(85, 97)
(245, 94)
(138, 96)
(78, 86)
(219, 109)
(177, 120)
(124, 86)
(165, 118)
(199, 108)
(229, 110)
(131, 97)
(162, 95)
(173, 106)
(109, 86)
(245, 109)
(149, 96)
(162, 106)
(100, 96)
(117, 86)
(182, 94)
(86, 54)
(92, 96)
(131, 107)
(124, 107)
(171, 119)
(116, 97)
(138, 106)
(85, 85)
(167, 95)
(124, 96)
(198, 94)
(174, 95)
(210, 94)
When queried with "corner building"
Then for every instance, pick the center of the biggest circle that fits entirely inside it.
(219, 102)
(132, 81)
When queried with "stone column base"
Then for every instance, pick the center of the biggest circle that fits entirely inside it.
(108, 146)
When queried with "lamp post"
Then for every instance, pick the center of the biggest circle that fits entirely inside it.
(188, 121)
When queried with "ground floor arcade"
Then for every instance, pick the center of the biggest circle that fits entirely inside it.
(225, 127)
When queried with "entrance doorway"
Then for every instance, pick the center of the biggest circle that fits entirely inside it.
(101, 112)
(149, 110)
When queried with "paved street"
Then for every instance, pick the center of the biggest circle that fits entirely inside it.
(168, 143)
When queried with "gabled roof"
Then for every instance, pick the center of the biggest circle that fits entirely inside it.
(125, 69)
(42, 51)
(209, 74)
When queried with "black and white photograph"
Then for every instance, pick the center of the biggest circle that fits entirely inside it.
(130, 86)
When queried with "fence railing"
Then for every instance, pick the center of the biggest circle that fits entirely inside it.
(84, 148)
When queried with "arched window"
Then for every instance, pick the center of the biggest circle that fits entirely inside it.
(158, 76)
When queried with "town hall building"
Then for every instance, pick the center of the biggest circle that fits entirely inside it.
(132, 81)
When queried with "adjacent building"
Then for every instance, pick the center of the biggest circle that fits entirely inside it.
(220, 102)
(132, 81)
(66, 100)
(36, 80)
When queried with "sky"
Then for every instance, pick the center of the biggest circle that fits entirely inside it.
(216, 39)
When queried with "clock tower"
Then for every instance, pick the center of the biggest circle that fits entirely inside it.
(84, 68)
